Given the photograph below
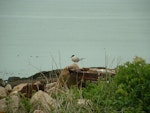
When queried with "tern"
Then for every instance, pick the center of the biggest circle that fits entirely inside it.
(76, 59)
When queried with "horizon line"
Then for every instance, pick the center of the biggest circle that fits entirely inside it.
(70, 17)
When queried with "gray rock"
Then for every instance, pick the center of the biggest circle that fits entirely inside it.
(42, 101)
(13, 79)
(27, 88)
(2, 83)
(8, 88)
(3, 92)
(9, 104)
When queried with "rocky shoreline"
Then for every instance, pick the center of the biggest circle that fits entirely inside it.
(39, 87)
(52, 76)
(42, 76)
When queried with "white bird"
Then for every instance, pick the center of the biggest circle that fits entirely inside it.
(76, 59)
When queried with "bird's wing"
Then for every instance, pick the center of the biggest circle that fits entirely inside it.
(75, 59)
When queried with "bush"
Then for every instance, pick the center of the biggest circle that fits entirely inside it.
(133, 85)
(127, 92)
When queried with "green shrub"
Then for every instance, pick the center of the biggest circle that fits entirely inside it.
(101, 94)
(127, 92)
(133, 81)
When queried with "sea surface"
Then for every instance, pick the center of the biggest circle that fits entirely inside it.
(41, 35)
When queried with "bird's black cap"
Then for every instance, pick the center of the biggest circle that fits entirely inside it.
(72, 55)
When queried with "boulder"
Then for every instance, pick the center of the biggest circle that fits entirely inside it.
(49, 86)
(27, 88)
(3, 92)
(65, 79)
(8, 88)
(42, 101)
(92, 74)
(2, 83)
(9, 104)
(56, 90)
(19, 87)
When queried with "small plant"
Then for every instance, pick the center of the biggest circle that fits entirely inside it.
(25, 105)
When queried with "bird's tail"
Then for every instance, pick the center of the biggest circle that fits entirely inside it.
(82, 58)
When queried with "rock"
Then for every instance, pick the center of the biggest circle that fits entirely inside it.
(2, 83)
(56, 90)
(65, 79)
(91, 74)
(45, 75)
(27, 88)
(49, 86)
(3, 92)
(8, 88)
(9, 104)
(13, 79)
(42, 101)
(19, 87)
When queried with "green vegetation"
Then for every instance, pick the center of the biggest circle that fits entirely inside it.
(127, 92)
(25, 105)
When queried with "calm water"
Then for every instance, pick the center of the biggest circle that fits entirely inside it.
(43, 34)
